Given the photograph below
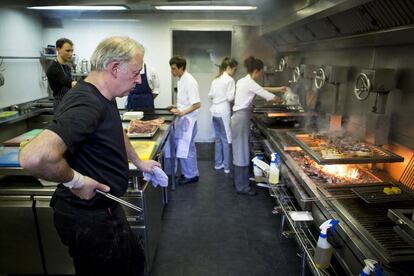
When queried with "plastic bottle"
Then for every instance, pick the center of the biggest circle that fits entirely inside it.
(369, 267)
(323, 250)
(258, 174)
(274, 169)
(372, 267)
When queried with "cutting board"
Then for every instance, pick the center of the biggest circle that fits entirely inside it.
(7, 114)
(9, 157)
(15, 142)
(144, 148)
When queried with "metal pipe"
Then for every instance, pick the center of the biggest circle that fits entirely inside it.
(14, 57)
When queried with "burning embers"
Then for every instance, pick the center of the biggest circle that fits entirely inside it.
(331, 174)
(343, 171)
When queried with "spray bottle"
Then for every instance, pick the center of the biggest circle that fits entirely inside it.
(258, 173)
(274, 169)
(372, 266)
(323, 250)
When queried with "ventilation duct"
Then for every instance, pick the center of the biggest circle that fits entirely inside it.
(367, 18)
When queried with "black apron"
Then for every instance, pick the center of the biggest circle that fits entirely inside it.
(58, 95)
(140, 98)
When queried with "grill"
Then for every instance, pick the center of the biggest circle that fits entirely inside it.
(314, 148)
(407, 177)
(327, 176)
(376, 195)
(376, 230)
(268, 108)
(363, 206)
(405, 224)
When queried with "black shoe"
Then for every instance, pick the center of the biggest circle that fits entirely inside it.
(185, 180)
(249, 193)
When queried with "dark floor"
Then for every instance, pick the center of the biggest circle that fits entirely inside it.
(208, 229)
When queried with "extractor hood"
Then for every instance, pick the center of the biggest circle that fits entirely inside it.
(367, 23)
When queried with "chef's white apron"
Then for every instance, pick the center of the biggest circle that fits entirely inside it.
(182, 136)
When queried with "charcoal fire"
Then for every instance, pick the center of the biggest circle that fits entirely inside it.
(331, 174)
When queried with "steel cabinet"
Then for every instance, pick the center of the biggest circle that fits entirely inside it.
(18, 241)
(57, 258)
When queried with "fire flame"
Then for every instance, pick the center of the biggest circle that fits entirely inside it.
(345, 171)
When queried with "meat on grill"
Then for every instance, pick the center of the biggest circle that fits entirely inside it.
(139, 126)
(316, 172)
(333, 145)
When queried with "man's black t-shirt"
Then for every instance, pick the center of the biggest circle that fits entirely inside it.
(90, 126)
(60, 78)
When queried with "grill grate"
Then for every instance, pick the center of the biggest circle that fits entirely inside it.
(407, 177)
(375, 194)
(377, 228)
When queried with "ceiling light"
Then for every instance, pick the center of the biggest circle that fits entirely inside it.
(79, 8)
(206, 8)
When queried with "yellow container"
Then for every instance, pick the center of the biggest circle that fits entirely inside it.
(144, 149)
(388, 191)
(396, 190)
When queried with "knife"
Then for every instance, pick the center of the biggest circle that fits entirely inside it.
(117, 199)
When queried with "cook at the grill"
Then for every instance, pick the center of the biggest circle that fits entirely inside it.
(85, 148)
(246, 89)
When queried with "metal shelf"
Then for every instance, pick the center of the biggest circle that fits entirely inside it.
(301, 232)
(15, 57)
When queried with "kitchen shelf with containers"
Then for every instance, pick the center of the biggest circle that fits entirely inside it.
(148, 144)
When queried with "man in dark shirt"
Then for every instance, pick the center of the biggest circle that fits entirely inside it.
(85, 148)
(59, 73)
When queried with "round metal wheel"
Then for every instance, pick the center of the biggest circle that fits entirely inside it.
(320, 78)
(296, 74)
(362, 87)
(282, 65)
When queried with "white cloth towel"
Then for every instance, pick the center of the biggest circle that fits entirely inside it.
(157, 177)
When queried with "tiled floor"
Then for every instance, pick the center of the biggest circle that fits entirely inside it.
(208, 229)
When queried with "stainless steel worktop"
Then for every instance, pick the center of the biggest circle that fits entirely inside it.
(25, 211)
(160, 138)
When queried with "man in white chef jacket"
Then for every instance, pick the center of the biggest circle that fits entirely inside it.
(188, 103)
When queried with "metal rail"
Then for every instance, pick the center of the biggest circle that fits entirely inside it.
(303, 235)
(15, 57)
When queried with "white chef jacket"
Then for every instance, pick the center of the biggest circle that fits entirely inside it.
(246, 89)
(221, 93)
(187, 93)
(153, 80)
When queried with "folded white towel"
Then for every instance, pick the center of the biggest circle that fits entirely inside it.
(157, 177)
